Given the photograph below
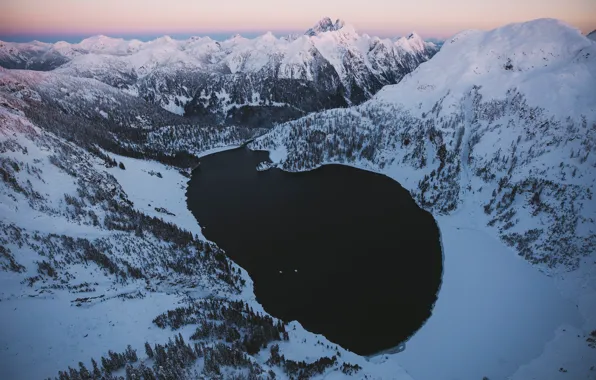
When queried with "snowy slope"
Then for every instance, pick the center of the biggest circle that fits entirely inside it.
(592, 35)
(103, 44)
(494, 135)
(92, 113)
(96, 257)
(35, 55)
(91, 254)
(329, 66)
(531, 57)
(82, 97)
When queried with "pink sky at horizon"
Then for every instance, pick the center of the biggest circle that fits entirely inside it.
(430, 18)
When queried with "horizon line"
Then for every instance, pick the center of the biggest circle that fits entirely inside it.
(219, 35)
(181, 35)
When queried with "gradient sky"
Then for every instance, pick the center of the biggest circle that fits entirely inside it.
(59, 19)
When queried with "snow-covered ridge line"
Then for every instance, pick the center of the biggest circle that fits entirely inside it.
(229, 80)
(102, 44)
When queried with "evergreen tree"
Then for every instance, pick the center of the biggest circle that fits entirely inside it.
(148, 350)
(83, 371)
(96, 370)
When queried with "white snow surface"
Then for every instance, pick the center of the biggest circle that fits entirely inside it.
(552, 64)
(494, 313)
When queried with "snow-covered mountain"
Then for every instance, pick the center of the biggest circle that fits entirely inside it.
(496, 134)
(592, 35)
(260, 80)
(34, 55)
(93, 114)
(507, 115)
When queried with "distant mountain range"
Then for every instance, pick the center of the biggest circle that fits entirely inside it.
(255, 82)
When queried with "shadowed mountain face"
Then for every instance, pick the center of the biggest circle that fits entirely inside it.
(254, 82)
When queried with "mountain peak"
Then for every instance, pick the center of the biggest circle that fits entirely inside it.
(413, 42)
(99, 43)
(98, 37)
(325, 25)
(268, 36)
(414, 37)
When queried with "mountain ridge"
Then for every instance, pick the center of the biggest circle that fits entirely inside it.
(260, 80)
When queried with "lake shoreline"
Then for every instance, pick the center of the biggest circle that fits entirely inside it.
(382, 219)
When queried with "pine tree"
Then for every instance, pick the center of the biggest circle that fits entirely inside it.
(83, 371)
(148, 350)
(130, 354)
(129, 370)
(106, 365)
(96, 370)
(74, 374)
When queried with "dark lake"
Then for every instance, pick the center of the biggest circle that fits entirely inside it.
(345, 252)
